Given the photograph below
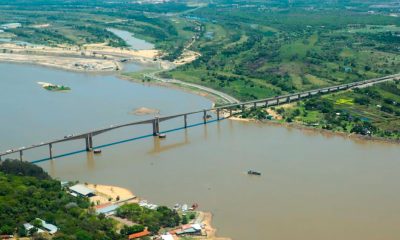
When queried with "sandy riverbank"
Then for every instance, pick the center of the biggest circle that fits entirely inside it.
(106, 192)
(66, 63)
(90, 58)
(210, 231)
(198, 92)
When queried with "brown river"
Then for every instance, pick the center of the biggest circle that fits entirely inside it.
(312, 186)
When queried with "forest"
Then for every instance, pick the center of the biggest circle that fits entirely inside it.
(28, 193)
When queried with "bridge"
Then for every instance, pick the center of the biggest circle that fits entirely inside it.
(222, 112)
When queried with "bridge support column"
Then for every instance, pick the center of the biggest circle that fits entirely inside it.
(185, 120)
(51, 151)
(156, 126)
(242, 108)
(266, 104)
(20, 155)
(299, 96)
(288, 99)
(309, 94)
(204, 116)
(230, 112)
(218, 110)
(255, 105)
(89, 143)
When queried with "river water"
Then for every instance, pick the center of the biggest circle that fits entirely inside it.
(313, 186)
(133, 43)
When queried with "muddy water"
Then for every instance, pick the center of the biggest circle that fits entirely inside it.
(312, 186)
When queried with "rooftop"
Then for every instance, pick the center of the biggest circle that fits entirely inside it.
(82, 190)
(139, 234)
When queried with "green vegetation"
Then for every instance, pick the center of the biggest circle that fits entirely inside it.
(27, 193)
(55, 22)
(373, 111)
(265, 49)
(154, 220)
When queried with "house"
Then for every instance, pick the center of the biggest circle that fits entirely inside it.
(144, 233)
(28, 227)
(188, 229)
(107, 210)
(82, 190)
(52, 229)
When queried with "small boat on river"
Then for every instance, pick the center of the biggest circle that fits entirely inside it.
(162, 135)
(97, 151)
(251, 172)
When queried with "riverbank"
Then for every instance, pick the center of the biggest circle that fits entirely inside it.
(200, 92)
(89, 58)
(311, 129)
(107, 195)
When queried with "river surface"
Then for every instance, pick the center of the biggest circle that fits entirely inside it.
(133, 43)
(312, 187)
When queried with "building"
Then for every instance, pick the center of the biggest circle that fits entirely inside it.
(188, 229)
(144, 233)
(81, 190)
(52, 229)
(107, 210)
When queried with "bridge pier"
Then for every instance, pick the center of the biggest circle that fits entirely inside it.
(51, 151)
(218, 114)
(156, 126)
(230, 112)
(204, 116)
(89, 143)
(299, 96)
(266, 104)
(255, 105)
(20, 155)
(243, 108)
(185, 120)
(288, 99)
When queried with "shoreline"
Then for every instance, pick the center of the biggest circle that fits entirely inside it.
(105, 192)
(213, 98)
(324, 132)
(90, 59)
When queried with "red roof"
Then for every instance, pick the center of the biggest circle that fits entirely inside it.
(102, 205)
(139, 234)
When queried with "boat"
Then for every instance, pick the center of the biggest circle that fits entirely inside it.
(54, 87)
(162, 135)
(97, 151)
(251, 172)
